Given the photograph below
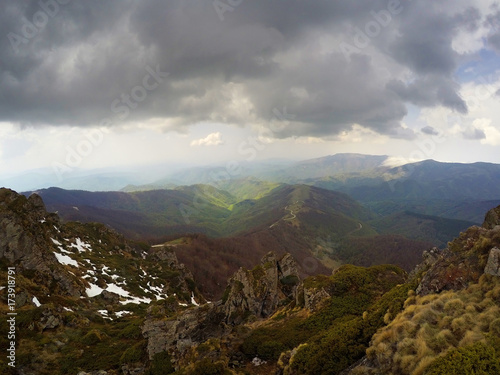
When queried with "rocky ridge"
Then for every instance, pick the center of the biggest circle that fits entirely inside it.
(462, 269)
(72, 277)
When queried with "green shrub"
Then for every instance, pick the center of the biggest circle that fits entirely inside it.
(270, 350)
(92, 338)
(207, 367)
(290, 280)
(134, 353)
(476, 359)
(161, 364)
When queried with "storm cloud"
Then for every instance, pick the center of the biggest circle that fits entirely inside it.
(183, 62)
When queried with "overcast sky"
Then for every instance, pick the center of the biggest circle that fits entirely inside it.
(88, 84)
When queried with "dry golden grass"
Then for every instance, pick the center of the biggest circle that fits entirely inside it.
(471, 337)
(430, 326)
(422, 365)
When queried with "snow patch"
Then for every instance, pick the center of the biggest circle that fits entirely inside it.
(81, 246)
(136, 300)
(64, 251)
(56, 242)
(193, 301)
(118, 290)
(36, 302)
(66, 260)
(93, 291)
(104, 314)
(67, 309)
(119, 314)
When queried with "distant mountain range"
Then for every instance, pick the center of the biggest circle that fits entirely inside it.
(345, 208)
(320, 228)
(452, 190)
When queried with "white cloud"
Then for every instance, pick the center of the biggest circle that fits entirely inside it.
(213, 139)
(492, 134)
(359, 134)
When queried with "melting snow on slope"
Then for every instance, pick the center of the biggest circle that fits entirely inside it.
(136, 300)
(157, 290)
(64, 259)
(81, 246)
(193, 301)
(56, 242)
(105, 270)
(93, 291)
(104, 314)
(119, 314)
(118, 290)
(36, 302)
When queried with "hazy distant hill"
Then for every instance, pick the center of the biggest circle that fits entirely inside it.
(205, 209)
(433, 180)
(465, 188)
(340, 166)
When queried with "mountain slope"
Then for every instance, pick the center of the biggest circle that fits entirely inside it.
(318, 227)
(204, 209)
(81, 290)
(433, 229)
(159, 212)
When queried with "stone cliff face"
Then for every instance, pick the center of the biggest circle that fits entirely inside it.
(259, 291)
(73, 276)
(492, 218)
(466, 258)
(250, 293)
(25, 226)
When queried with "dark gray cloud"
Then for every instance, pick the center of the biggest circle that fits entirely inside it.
(89, 61)
(430, 90)
(429, 130)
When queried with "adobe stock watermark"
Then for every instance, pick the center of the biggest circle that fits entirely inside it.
(223, 6)
(11, 316)
(121, 107)
(250, 148)
(30, 29)
(372, 29)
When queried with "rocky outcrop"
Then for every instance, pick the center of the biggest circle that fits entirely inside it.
(493, 264)
(259, 291)
(492, 218)
(24, 241)
(194, 326)
(450, 272)
(167, 259)
(314, 298)
(474, 252)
